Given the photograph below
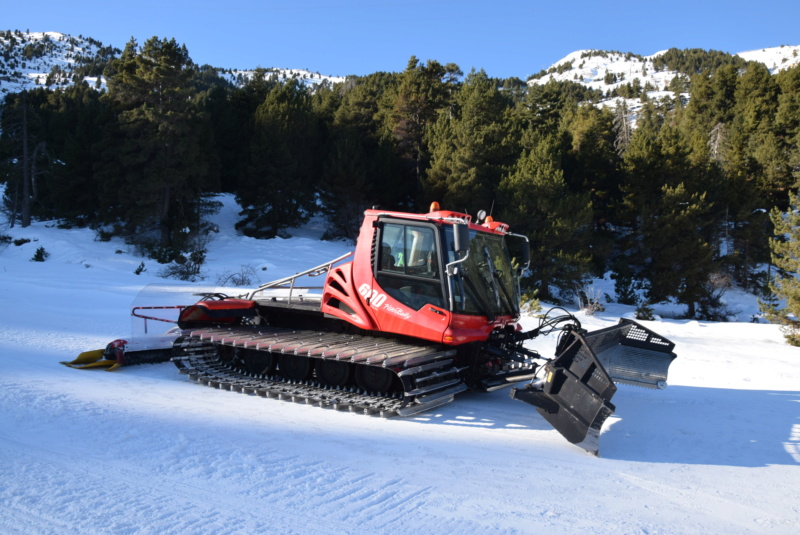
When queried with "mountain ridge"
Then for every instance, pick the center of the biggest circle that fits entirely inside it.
(53, 59)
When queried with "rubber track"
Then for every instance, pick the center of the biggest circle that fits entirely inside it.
(427, 372)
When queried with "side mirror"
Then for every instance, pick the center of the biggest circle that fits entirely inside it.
(461, 237)
(520, 250)
(526, 256)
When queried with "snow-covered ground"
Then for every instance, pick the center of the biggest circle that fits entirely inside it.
(143, 450)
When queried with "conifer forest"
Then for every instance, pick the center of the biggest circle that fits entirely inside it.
(679, 200)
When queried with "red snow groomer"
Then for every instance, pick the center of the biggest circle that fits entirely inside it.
(425, 308)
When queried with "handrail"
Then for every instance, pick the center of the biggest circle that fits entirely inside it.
(134, 311)
(313, 272)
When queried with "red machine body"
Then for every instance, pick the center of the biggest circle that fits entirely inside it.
(373, 294)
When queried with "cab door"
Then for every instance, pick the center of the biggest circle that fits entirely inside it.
(409, 294)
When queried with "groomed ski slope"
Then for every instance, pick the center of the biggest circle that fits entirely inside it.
(144, 450)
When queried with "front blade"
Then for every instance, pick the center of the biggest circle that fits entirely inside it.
(575, 397)
(633, 354)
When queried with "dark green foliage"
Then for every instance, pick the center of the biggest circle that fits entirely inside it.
(645, 312)
(785, 284)
(591, 162)
(277, 189)
(347, 184)
(158, 142)
(40, 255)
(421, 93)
(630, 90)
(679, 258)
(536, 200)
(470, 148)
(361, 166)
(513, 83)
(696, 60)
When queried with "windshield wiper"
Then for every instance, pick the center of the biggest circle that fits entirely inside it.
(509, 301)
(497, 281)
(478, 297)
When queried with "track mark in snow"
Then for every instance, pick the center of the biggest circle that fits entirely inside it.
(106, 494)
(98, 494)
(337, 493)
(733, 512)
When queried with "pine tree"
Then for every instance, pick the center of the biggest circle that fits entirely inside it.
(156, 166)
(756, 99)
(471, 149)
(591, 165)
(277, 190)
(420, 95)
(362, 112)
(785, 284)
(537, 201)
(723, 99)
(675, 239)
(76, 117)
(787, 116)
(346, 169)
(643, 168)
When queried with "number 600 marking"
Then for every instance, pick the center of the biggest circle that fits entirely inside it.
(375, 298)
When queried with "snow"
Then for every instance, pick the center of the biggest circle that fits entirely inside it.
(589, 67)
(20, 73)
(776, 58)
(144, 450)
(306, 77)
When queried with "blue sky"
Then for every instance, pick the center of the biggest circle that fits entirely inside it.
(341, 37)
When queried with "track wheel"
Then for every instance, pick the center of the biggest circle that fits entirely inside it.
(374, 379)
(295, 367)
(257, 362)
(333, 372)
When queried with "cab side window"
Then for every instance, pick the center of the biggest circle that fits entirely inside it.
(408, 265)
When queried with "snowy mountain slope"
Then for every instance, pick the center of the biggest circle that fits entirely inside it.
(43, 58)
(606, 71)
(590, 67)
(49, 59)
(143, 450)
(776, 58)
(239, 77)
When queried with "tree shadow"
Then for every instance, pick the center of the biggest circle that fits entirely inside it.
(714, 426)
(682, 424)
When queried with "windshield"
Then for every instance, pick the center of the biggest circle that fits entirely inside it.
(486, 283)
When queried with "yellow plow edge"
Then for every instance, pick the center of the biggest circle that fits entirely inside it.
(92, 359)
